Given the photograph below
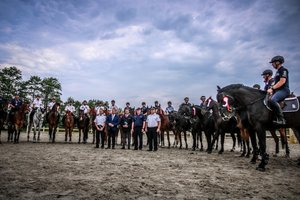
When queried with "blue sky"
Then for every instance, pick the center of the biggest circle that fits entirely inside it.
(149, 50)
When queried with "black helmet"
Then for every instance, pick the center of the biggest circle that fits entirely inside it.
(267, 72)
(277, 58)
(256, 86)
(169, 102)
(186, 98)
(155, 101)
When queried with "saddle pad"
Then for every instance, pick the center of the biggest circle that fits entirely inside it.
(291, 104)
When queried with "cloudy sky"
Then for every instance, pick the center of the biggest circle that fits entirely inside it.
(135, 50)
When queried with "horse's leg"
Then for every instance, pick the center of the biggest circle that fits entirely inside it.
(168, 137)
(233, 141)
(276, 139)
(70, 134)
(66, 134)
(222, 142)
(261, 134)
(254, 145)
(194, 139)
(286, 143)
(34, 132)
(208, 135)
(185, 139)
(201, 142)
(162, 138)
(248, 149)
(180, 139)
(79, 135)
(29, 126)
(39, 130)
(54, 133)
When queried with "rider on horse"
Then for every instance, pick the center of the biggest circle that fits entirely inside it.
(144, 108)
(36, 104)
(13, 107)
(170, 108)
(269, 81)
(188, 105)
(280, 89)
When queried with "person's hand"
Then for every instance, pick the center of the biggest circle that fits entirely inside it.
(270, 91)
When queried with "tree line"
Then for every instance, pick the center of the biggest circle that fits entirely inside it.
(12, 83)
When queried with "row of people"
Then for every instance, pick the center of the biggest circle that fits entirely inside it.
(132, 125)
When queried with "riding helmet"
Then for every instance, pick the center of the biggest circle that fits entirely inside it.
(277, 58)
(267, 72)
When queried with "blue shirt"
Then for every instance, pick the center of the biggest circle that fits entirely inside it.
(282, 72)
(138, 120)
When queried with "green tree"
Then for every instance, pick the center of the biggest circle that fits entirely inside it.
(51, 88)
(11, 80)
(34, 86)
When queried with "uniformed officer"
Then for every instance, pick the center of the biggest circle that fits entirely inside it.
(139, 120)
(153, 128)
(280, 89)
(267, 76)
(100, 123)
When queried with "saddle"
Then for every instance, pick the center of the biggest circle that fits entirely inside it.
(289, 104)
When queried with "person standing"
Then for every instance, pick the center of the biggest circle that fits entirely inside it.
(153, 128)
(139, 121)
(112, 122)
(100, 122)
(280, 89)
(127, 126)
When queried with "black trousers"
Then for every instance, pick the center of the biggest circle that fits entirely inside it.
(152, 138)
(100, 134)
(138, 137)
(111, 137)
(126, 135)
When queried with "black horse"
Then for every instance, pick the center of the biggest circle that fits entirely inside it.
(250, 102)
(224, 124)
(206, 124)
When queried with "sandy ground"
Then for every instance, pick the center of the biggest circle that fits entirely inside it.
(79, 171)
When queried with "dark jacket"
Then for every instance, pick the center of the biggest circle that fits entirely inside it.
(114, 121)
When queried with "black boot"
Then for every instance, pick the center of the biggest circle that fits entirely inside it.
(278, 113)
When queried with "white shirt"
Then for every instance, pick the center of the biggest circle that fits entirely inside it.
(37, 103)
(70, 108)
(98, 109)
(51, 104)
(115, 107)
(153, 120)
(100, 120)
(85, 108)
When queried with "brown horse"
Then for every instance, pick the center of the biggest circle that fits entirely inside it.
(18, 122)
(53, 119)
(3, 115)
(166, 126)
(69, 125)
(93, 115)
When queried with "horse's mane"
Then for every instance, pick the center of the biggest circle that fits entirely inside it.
(237, 86)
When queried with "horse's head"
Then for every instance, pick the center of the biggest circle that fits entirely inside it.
(185, 110)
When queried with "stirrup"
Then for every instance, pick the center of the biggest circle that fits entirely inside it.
(279, 122)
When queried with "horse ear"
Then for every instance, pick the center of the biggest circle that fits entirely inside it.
(218, 88)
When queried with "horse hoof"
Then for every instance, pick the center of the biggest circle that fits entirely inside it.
(247, 156)
(275, 155)
(286, 155)
(253, 161)
(209, 152)
(261, 169)
(220, 152)
(201, 149)
(232, 150)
